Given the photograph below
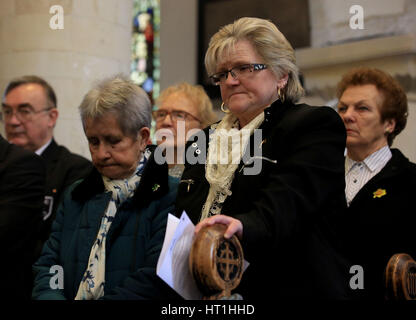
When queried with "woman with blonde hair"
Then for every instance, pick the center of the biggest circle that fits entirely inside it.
(182, 109)
(286, 172)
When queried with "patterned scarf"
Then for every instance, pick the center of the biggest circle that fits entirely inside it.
(93, 281)
(226, 147)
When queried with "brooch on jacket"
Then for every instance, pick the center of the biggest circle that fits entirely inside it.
(379, 193)
(155, 187)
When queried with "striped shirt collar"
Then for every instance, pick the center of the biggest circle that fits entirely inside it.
(374, 162)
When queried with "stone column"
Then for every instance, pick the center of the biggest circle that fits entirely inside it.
(94, 43)
(178, 42)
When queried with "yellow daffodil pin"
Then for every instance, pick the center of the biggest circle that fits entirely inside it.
(379, 193)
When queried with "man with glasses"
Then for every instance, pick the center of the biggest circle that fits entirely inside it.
(182, 109)
(29, 114)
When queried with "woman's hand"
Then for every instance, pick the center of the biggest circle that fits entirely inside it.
(234, 226)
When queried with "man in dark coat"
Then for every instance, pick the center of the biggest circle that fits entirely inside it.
(380, 181)
(22, 185)
(30, 114)
(63, 168)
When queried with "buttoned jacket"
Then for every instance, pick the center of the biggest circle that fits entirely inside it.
(282, 207)
(379, 223)
(63, 168)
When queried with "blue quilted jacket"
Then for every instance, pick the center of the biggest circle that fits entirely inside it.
(133, 242)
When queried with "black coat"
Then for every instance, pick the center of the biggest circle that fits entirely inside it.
(282, 208)
(62, 169)
(373, 228)
(22, 185)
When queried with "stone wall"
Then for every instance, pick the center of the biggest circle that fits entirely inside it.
(387, 42)
(178, 42)
(330, 20)
(94, 43)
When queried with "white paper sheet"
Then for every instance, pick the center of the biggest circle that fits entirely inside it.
(173, 265)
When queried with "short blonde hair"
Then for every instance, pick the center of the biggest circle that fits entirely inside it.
(197, 95)
(268, 42)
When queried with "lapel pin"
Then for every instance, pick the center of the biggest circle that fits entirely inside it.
(379, 193)
(155, 187)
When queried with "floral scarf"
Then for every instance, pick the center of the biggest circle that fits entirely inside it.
(93, 281)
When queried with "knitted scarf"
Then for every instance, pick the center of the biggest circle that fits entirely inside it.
(226, 147)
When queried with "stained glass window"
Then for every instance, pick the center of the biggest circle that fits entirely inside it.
(145, 63)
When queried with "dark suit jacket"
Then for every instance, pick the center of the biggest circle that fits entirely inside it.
(374, 228)
(22, 185)
(282, 207)
(62, 169)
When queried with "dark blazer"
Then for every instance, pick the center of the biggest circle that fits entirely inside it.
(374, 228)
(62, 169)
(22, 185)
(133, 243)
(282, 207)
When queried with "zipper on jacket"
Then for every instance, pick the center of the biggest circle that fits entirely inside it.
(251, 160)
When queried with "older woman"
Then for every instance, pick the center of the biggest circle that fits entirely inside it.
(380, 181)
(275, 209)
(110, 226)
(182, 109)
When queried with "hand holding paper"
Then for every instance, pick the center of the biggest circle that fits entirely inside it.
(173, 263)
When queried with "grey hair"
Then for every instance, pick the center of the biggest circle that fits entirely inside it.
(268, 42)
(119, 96)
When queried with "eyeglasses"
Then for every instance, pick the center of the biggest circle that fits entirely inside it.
(23, 113)
(238, 72)
(175, 115)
